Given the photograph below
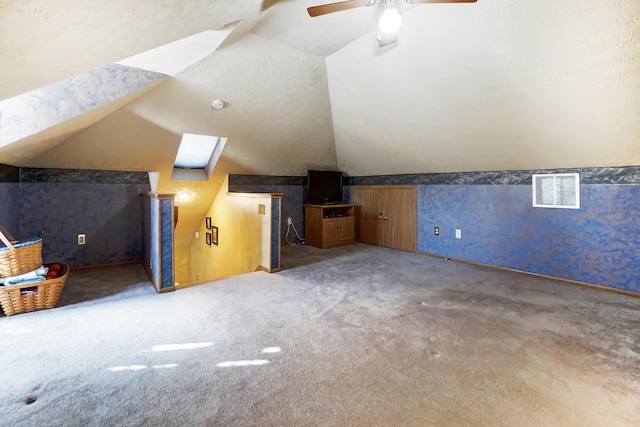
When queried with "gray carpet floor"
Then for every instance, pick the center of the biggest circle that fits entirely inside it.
(358, 335)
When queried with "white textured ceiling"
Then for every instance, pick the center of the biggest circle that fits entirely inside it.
(485, 86)
(494, 86)
(43, 41)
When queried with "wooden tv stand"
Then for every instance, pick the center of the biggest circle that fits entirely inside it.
(329, 226)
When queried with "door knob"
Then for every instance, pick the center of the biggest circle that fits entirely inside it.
(384, 218)
(380, 215)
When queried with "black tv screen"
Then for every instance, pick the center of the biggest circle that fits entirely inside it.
(324, 187)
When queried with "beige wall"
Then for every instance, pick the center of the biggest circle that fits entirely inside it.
(242, 232)
(182, 261)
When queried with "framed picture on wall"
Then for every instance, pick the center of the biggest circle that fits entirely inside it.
(208, 238)
(207, 222)
(214, 234)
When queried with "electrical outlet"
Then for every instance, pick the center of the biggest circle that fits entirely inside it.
(436, 231)
(289, 222)
(458, 233)
(261, 209)
(82, 239)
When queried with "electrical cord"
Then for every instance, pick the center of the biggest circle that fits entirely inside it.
(299, 241)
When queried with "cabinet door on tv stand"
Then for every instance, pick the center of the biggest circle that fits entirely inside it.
(330, 230)
(346, 229)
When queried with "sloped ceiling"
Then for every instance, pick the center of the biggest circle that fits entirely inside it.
(494, 86)
(484, 86)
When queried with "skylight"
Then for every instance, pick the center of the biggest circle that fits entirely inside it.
(195, 151)
(197, 156)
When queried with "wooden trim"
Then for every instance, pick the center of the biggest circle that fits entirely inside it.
(342, 205)
(158, 247)
(161, 196)
(264, 195)
(542, 276)
(190, 284)
(173, 249)
(263, 268)
(278, 196)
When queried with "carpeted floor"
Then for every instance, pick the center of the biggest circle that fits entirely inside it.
(357, 335)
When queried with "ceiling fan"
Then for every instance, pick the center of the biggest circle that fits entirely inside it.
(390, 20)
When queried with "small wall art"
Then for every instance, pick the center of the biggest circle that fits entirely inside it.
(208, 238)
(214, 234)
(207, 222)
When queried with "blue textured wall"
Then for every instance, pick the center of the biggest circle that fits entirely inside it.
(109, 215)
(166, 243)
(9, 205)
(58, 204)
(275, 232)
(598, 244)
(10, 198)
(32, 112)
(154, 239)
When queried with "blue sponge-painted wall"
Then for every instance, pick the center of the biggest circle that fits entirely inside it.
(9, 204)
(9, 198)
(57, 205)
(109, 216)
(598, 244)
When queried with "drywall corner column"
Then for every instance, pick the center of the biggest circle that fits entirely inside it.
(161, 250)
(274, 237)
(271, 238)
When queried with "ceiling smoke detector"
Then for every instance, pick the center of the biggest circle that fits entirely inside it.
(217, 104)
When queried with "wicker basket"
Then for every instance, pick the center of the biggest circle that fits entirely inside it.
(16, 299)
(19, 258)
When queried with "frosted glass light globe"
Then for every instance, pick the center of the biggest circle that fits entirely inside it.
(390, 21)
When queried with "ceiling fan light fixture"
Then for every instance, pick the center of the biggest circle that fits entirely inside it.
(390, 20)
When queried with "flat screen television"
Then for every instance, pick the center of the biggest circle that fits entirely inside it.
(324, 187)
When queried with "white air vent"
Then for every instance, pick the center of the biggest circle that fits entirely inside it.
(556, 191)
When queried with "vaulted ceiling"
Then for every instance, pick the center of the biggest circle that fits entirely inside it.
(485, 86)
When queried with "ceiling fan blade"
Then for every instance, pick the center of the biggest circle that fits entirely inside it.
(336, 7)
(440, 1)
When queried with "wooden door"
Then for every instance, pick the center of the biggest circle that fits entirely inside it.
(367, 200)
(346, 228)
(398, 206)
(330, 230)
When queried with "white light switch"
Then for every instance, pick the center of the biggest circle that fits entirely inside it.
(458, 233)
